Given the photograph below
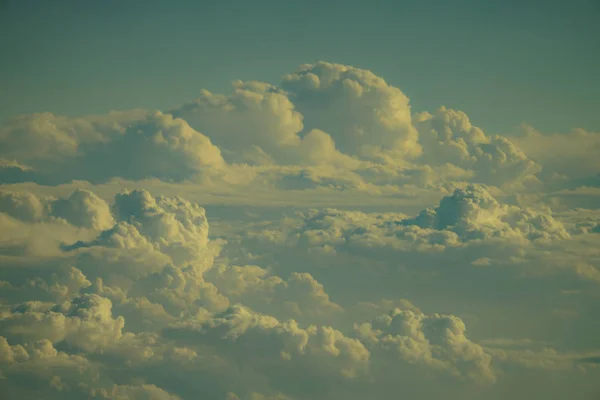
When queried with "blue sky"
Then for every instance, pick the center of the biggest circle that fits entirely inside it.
(501, 62)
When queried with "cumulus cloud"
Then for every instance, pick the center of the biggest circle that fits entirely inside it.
(474, 213)
(314, 239)
(146, 293)
(132, 145)
(447, 136)
(258, 124)
(63, 284)
(569, 160)
(469, 243)
(468, 214)
(435, 340)
(23, 206)
(126, 392)
(364, 115)
(170, 229)
(263, 340)
(82, 208)
(301, 296)
(325, 119)
(86, 323)
(47, 372)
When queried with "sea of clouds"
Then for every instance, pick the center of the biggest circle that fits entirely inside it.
(316, 240)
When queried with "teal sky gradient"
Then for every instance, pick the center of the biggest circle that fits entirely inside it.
(502, 63)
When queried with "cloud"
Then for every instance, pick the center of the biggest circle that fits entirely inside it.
(23, 206)
(314, 239)
(301, 296)
(126, 392)
(82, 208)
(474, 213)
(471, 252)
(265, 340)
(134, 145)
(325, 126)
(44, 371)
(365, 116)
(569, 160)
(151, 293)
(469, 214)
(13, 172)
(63, 284)
(258, 124)
(438, 341)
(447, 136)
(178, 290)
(171, 227)
(86, 323)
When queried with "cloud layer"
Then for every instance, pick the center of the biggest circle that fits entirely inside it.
(316, 239)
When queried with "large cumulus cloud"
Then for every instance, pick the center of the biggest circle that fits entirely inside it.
(471, 252)
(447, 136)
(131, 145)
(383, 252)
(365, 116)
(173, 305)
(436, 340)
(258, 124)
(324, 120)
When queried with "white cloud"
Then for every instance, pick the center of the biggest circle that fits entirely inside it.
(435, 340)
(569, 160)
(364, 115)
(23, 206)
(145, 294)
(133, 145)
(82, 208)
(263, 340)
(85, 323)
(258, 124)
(173, 229)
(300, 296)
(474, 213)
(312, 240)
(447, 136)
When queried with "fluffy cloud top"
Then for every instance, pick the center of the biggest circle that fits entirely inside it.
(125, 287)
(173, 226)
(447, 136)
(364, 115)
(468, 214)
(325, 119)
(82, 208)
(258, 124)
(146, 294)
(131, 145)
(436, 340)
(473, 213)
(87, 323)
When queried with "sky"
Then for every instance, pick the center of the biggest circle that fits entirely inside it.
(506, 62)
(299, 200)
